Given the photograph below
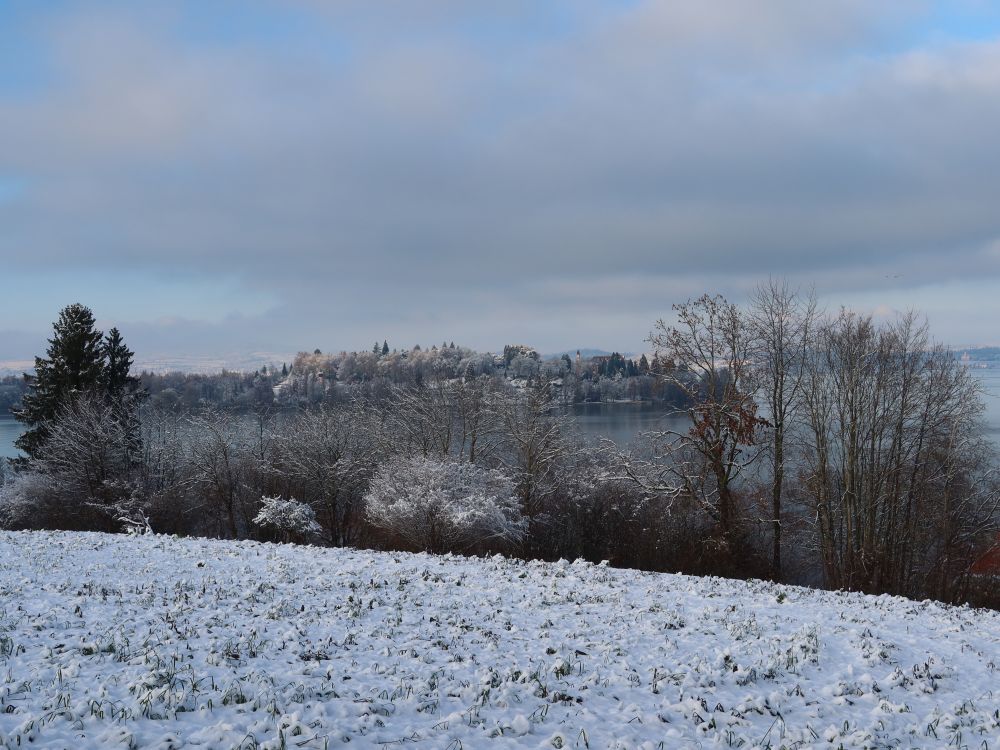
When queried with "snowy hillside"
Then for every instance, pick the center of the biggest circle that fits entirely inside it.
(158, 642)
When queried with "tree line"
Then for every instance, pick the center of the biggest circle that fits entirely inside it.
(317, 377)
(825, 449)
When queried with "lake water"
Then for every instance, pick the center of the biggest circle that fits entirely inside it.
(990, 379)
(10, 429)
(622, 422)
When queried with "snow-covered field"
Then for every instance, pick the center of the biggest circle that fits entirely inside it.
(158, 642)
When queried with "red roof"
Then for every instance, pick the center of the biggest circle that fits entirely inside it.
(988, 564)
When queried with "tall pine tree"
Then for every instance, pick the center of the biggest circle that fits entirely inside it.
(74, 365)
(80, 362)
(117, 379)
(123, 391)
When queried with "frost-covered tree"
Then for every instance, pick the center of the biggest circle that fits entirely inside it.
(534, 433)
(444, 505)
(87, 447)
(222, 464)
(289, 518)
(325, 458)
(28, 500)
(74, 364)
(88, 475)
(512, 351)
(80, 363)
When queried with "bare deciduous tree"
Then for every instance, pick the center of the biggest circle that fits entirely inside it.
(223, 464)
(709, 356)
(534, 431)
(893, 461)
(782, 323)
(325, 457)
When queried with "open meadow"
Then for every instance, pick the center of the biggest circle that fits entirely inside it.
(153, 641)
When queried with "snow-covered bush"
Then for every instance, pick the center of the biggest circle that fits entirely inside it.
(28, 500)
(290, 518)
(444, 505)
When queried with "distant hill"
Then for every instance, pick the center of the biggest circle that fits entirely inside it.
(16, 366)
(206, 365)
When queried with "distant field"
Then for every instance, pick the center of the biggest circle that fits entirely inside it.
(111, 641)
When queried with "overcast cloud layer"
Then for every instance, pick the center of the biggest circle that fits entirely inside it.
(231, 177)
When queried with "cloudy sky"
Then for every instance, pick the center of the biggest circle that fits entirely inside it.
(228, 177)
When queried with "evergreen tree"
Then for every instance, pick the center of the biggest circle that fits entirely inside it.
(284, 369)
(122, 390)
(376, 350)
(385, 347)
(74, 365)
(117, 366)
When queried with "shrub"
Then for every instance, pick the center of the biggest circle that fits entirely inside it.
(442, 505)
(291, 519)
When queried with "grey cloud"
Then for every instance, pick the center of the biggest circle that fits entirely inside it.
(669, 146)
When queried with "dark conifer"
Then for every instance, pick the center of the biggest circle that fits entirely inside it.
(122, 390)
(117, 379)
(74, 365)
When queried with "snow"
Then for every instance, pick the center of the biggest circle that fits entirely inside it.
(287, 515)
(151, 641)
